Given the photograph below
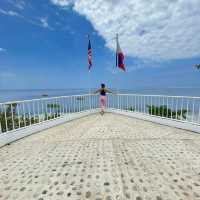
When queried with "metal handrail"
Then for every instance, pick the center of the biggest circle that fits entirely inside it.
(154, 95)
(18, 114)
(181, 108)
(45, 98)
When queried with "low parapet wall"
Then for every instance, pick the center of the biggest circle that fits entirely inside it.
(159, 120)
(12, 136)
(9, 137)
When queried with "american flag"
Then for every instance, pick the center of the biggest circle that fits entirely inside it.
(89, 55)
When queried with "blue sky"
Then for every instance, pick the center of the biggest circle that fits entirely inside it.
(43, 43)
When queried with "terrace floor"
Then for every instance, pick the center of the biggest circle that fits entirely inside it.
(103, 158)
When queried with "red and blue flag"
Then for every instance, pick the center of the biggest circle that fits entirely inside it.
(119, 57)
(89, 55)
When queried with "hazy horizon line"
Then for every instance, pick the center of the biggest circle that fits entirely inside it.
(3, 89)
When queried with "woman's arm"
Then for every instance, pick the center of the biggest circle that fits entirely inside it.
(97, 91)
(109, 91)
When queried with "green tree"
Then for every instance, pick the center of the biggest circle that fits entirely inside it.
(164, 111)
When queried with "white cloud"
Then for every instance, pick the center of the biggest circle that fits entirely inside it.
(10, 13)
(62, 2)
(148, 29)
(2, 50)
(134, 65)
(20, 4)
(44, 22)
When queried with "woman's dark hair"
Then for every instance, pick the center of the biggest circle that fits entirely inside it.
(103, 85)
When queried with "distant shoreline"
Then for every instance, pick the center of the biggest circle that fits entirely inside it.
(27, 94)
(136, 88)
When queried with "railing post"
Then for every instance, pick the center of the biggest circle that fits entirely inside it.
(38, 110)
(182, 109)
(24, 115)
(74, 102)
(167, 108)
(113, 103)
(57, 107)
(5, 115)
(1, 118)
(62, 103)
(13, 123)
(67, 105)
(54, 111)
(18, 116)
(46, 110)
(90, 96)
(193, 110)
(117, 101)
(92, 101)
(172, 107)
(127, 103)
(163, 107)
(1, 112)
(176, 108)
(159, 105)
(136, 103)
(29, 114)
(187, 108)
(199, 116)
(43, 112)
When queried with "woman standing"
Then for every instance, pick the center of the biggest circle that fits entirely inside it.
(102, 99)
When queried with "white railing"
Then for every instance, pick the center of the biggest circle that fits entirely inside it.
(20, 114)
(181, 108)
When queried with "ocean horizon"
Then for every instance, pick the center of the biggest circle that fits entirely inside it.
(27, 94)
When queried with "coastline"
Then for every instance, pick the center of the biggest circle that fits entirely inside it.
(27, 94)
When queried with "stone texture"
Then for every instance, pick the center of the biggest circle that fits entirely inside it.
(109, 157)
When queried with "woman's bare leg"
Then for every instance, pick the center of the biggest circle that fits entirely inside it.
(102, 104)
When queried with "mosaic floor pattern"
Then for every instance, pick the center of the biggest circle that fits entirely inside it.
(103, 158)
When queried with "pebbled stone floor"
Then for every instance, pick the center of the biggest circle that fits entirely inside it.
(103, 158)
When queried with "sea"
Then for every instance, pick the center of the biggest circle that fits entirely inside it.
(27, 94)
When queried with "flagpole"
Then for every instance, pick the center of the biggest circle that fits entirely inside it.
(89, 89)
(89, 77)
(117, 72)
